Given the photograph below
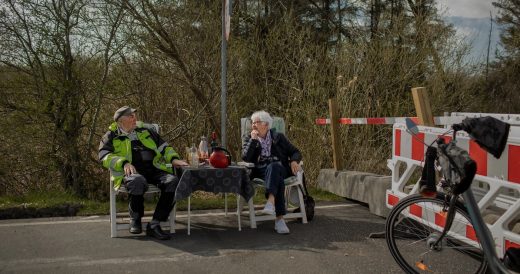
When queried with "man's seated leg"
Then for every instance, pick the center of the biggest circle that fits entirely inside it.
(167, 183)
(136, 186)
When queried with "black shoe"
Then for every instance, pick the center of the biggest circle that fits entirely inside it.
(157, 232)
(135, 226)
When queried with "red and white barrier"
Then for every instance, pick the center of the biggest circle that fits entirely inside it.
(497, 183)
(455, 117)
(366, 121)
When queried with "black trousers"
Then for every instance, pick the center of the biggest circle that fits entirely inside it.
(137, 185)
(273, 175)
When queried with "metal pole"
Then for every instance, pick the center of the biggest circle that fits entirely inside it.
(223, 78)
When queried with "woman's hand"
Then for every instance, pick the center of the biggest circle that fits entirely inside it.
(178, 162)
(254, 134)
(295, 167)
(129, 169)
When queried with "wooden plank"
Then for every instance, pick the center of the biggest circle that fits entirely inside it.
(422, 106)
(334, 130)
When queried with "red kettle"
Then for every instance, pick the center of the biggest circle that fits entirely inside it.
(220, 157)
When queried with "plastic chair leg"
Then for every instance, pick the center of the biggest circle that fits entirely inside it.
(302, 206)
(173, 214)
(252, 216)
(113, 213)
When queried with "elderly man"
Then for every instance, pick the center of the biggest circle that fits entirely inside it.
(135, 157)
(275, 159)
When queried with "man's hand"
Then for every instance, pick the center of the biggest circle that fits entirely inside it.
(177, 163)
(129, 169)
(295, 167)
(254, 134)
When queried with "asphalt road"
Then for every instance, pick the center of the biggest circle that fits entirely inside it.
(336, 241)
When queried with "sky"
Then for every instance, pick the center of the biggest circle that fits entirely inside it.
(471, 20)
(467, 8)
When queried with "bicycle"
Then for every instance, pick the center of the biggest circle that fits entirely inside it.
(436, 241)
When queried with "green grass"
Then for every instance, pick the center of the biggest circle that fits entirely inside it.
(40, 200)
(322, 195)
(199, 201)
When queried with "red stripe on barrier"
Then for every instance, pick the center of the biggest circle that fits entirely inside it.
(397, 142)
(415, 120)
(321, 121)
(345, 121)
(392, 200)
(480, 156)
(376, 121)
(513, 164)
(440, 219)
(470, 233)
(418, 147)
(508, 244)
(416, 210)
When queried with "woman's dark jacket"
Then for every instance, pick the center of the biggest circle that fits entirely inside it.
(281, 149)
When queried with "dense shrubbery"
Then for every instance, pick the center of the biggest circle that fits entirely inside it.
(67, 67)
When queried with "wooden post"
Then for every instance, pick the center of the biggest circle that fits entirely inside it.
(422, 106)
(334, 130)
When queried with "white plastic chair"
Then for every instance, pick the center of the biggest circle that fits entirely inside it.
(114, 226)
(293, 184)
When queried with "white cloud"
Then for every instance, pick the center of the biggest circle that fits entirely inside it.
(467, 8)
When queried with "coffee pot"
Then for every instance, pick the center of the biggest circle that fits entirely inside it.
(220, 157)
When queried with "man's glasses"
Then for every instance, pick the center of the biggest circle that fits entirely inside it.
(256, 122)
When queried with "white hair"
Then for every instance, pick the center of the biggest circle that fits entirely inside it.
(262, 116)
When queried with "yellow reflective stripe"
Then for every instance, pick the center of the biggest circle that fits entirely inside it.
(104, 158)
(113, 162)
(162, 146)
(117, 173)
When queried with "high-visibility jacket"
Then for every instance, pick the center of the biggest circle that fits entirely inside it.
(115, 150)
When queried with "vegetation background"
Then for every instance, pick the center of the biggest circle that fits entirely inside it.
(67, 65)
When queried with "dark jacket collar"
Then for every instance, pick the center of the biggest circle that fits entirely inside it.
(275, 136)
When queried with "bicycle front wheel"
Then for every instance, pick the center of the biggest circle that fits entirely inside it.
(412, 229)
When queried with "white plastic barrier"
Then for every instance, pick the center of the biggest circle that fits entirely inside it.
(496, 185)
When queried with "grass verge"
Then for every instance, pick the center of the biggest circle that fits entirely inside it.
(55, 203)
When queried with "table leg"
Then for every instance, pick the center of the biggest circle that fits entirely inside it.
(225, 204)
(252, 217)
(189, 214)
(238, 213)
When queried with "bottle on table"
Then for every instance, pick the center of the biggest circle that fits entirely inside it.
(213, 141)
(203, 149)
(194, 156)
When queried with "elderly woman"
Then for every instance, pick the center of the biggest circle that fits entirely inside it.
(275, 159)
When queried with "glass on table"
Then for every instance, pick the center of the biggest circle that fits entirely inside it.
(194, 156)
(188, 155)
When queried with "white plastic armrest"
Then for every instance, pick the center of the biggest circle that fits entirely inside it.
(246, 164)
